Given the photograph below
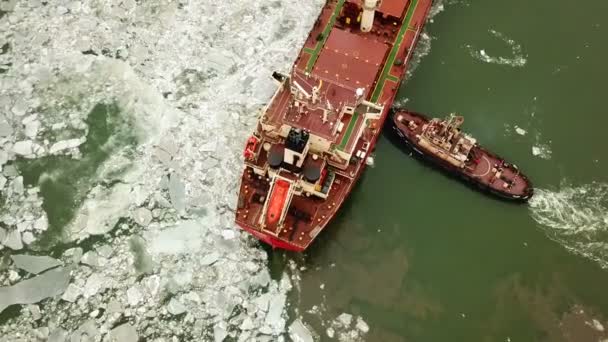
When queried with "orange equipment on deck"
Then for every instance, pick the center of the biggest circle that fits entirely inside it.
(252, 143)
(277, 201)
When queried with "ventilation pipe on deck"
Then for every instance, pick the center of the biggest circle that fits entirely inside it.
(367, 19)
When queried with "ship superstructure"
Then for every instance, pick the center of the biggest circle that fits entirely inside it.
(318, 131)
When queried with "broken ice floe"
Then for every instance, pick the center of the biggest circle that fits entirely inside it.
(542, 151)
(66, 144)
(517, 60)
(300, 332)
(520, 130)
(48, 284)
(177, 193)
(124, 333)
(343, 328)
(84, 66)
(34, 264)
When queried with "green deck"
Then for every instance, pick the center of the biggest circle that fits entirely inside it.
(349, 131)
(393, 54)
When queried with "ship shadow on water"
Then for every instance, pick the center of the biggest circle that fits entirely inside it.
(396, 141)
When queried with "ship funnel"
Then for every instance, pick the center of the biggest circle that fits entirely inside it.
(367, 18)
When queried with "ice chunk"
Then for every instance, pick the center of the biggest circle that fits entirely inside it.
(168, 145)
(13, 240)
(42, 333)
(35, 311)
(219, 333)
(361, 325)
(124, 333)
(299, 332)
(66, 144)
(180, 239)
(31, 128)
(48, 284)
(247, 324)
(28, 238)
(597, 325)
(100, 213)
(134, 295)
(34, 264)
(262, 278)
(152, 284)
(330, 332)
(18, 185)
(220, 60)
(42, 223)
(193, 297)
(5, 129)
(58, 335)
(275, 310)
(20, 107)
(105, 251)
(13, 276)
(24, 147)
(210, 259)
(114, 306)
(183, 279)
(94, 284)
(3, 158)
(23, 226)
(175, 307)
(90, 258)
(162, 155)
(142, 216)
(520, 130)
(345, 319)
(262, 302)
(177, 193)
(228, 234)
(74, 253)
(72, 293)
(2, 179)
(542, 151)
(88, 331)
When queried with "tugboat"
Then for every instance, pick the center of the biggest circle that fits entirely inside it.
(442, 143)
(316, 135)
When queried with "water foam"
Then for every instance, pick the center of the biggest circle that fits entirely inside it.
(576, 217)
(517, 61)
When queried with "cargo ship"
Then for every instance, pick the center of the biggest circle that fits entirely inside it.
(316, 135)
(441, 142)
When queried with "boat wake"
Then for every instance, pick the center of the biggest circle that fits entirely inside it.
(576, 217)
(517, 61)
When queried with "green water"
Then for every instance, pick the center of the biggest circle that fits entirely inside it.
(64, 182)
(422, 257)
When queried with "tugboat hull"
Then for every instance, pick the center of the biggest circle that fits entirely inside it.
(522, 192)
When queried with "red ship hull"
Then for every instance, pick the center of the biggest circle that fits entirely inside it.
(301, 226)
